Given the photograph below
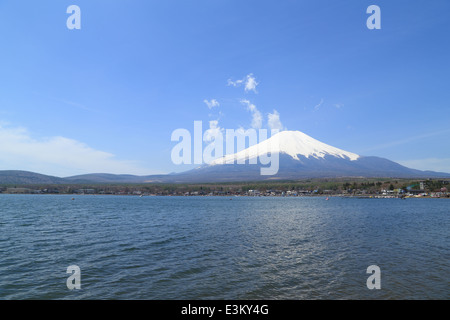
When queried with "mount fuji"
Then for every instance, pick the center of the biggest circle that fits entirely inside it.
(296, 144)
(300, 156)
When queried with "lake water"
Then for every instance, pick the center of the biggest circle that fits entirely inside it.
(223, 247)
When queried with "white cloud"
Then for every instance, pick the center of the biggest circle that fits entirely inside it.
(256, 115)
(250, 84)
(409, 139)
(273, 121)
(236, 83)
(433, 164)
(212, 103)
(57, 156)
(67, 102)
(249, 81)
(320, 104)
(317, 106)
(256, 120)
(213, 131)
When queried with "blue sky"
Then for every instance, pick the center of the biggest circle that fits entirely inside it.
(107, 97)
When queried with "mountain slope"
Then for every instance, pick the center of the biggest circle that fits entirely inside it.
(26, 177)
(304, 168)
(104, 178)
(300, 157)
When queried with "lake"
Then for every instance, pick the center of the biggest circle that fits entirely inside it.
(223, 247)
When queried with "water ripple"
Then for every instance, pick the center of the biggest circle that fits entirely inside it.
(211, 248)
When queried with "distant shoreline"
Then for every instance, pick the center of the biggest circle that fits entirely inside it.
(362, 188)
(235, 196)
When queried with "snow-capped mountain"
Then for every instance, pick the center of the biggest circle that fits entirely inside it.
(300, 156)
(295, 144)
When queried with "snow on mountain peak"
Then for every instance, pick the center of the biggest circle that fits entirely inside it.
(296, 143)
(292, 143)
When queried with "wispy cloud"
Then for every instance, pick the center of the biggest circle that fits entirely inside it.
(213, 131)
(249, 82)
(317, 106)
(256, 115)
(211, 103)
(407, 140)
(236, 83)
(67, 102)
(274, 122)
(321, 104)
(75, 104)
(57, 155)
(433, 164)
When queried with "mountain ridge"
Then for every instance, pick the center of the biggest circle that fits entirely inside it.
(300, 157)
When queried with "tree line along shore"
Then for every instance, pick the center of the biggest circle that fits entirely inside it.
(386, 187)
